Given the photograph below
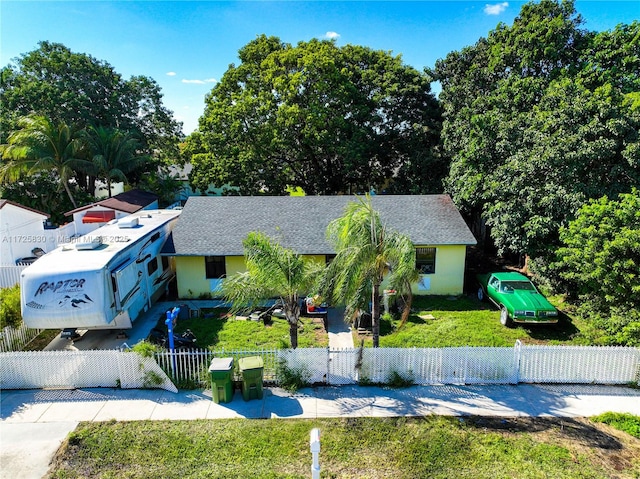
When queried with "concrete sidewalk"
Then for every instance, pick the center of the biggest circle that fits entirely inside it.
(35, 422)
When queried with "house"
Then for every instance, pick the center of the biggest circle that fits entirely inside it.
(90, 217)
(207, 241)
(22, 232)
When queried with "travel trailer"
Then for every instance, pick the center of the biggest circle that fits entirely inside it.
(103, 280)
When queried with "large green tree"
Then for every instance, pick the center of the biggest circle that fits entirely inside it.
(272, 272)
(599, 262)
(324, 118)
(77, 89)
(366, 252)
(539, 117)
(41, 145)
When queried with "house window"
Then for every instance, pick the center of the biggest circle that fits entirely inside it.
(215, 267)
(152, 266)
(426, 260)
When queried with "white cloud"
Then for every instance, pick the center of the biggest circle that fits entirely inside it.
(200, 82)
(171, 74)
(332, 35)
(496, 9)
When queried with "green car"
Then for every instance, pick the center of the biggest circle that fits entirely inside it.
(518, 299)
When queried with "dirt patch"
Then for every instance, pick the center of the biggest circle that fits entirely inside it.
(605, 446)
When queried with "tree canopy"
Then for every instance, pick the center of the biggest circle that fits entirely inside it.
(539, 118)
(40, 145)
(81, 91)
(324, 118)
(599, 261)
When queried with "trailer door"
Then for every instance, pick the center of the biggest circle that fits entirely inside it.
(129, 289)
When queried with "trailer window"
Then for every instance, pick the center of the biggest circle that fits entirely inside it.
(215, 267)
(152, 266)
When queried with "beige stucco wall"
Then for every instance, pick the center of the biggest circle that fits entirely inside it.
(449, 275)
(448, 278)
(191, 276)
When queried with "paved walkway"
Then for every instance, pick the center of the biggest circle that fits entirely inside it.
(33, 423)
(339, 333)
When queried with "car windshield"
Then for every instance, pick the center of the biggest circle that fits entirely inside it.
(510, 286)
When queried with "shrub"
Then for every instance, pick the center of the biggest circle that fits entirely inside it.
(292, 379)
(10, 307)
(396, 380)
(145, 349)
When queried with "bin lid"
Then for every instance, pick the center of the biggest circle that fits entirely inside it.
(221, 364)
(252, 362)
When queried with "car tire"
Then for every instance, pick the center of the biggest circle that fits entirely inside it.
(505, 320)
(480, 294)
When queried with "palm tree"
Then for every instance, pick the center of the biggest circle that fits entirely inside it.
(114, 153)
(366, 251)
(272, 272)
(42, 145)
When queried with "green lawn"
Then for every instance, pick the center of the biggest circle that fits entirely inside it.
(465, 321)
(217, 330)
(399, 448)
(436, 322)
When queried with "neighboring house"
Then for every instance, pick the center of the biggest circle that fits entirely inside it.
(181, 173)
(22, 231)
(207, 241)
(90, 217)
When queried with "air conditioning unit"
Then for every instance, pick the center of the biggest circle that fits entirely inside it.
(128, 222)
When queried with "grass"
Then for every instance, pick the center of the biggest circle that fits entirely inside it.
(215, 329)
(465, 321)
(433, 446)
(621, 421)
(42, 340)
(436, 322)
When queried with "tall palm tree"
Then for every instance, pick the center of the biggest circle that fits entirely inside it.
(272, 272)
(366, 252)
(42, 145)
(114, 153)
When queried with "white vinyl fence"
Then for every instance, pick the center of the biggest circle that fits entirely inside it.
(14, 339)
(81, 369)
(422, 366)
(10, 275)
(426, 366)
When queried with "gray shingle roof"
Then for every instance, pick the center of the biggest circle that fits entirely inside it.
(217, 225)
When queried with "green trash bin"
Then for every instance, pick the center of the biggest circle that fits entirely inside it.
(221, 372)
(251, 369)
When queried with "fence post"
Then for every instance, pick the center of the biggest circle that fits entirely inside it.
(517, 352)
(328, 366)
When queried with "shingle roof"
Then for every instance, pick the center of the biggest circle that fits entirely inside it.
(128, 202)
(217, 225)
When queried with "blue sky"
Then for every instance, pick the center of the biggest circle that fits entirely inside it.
(186, 46)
